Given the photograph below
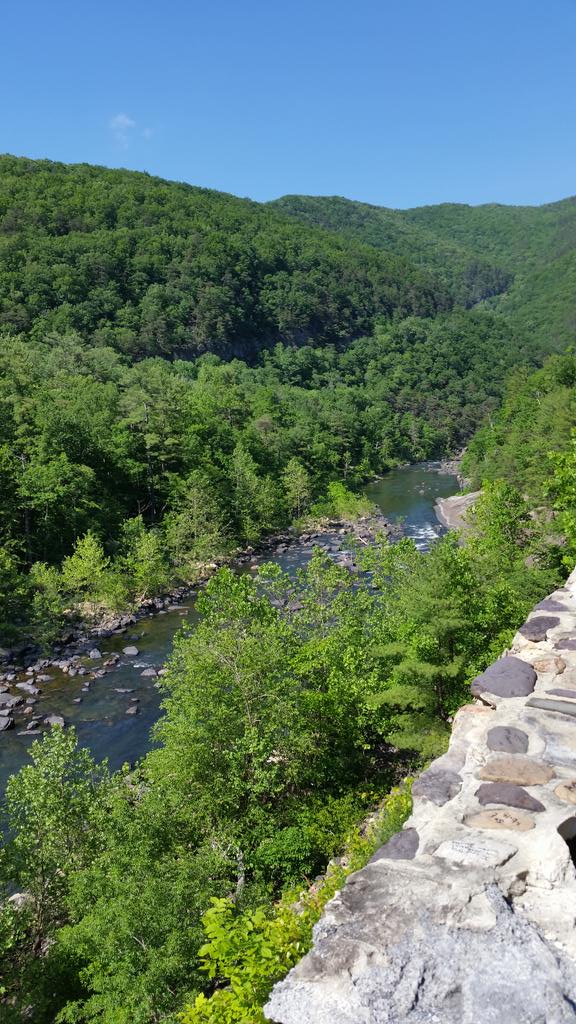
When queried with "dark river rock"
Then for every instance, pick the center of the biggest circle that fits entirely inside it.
(114, 709)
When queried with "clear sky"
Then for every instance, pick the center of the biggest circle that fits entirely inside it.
(397, 103)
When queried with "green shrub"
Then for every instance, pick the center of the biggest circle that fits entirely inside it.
(340, 503)
(253, 950)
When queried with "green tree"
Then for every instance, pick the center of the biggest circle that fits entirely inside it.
(195, 528)
(297, 487)
(84, 571)
(51, 810)
(144, 559)
(47, 605)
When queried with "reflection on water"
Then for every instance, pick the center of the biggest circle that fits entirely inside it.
(407, 494)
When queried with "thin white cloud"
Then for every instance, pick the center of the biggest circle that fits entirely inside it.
(121, 126)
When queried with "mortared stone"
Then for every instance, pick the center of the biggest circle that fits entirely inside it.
(556, 665)
(508, 677)
(516, 821)
(561, 707)
(566, 643)
(507, 739)
(550, 604)
(567, 791)
(402, 846)
(536, 628)
(509, 794)
(524, 771)
(438, 785)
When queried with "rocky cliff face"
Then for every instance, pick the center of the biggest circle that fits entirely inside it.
(468, 915)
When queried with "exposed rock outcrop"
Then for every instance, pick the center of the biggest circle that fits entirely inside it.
(452, 511)
(468, 915)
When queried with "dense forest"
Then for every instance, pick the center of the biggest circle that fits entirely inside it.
(520, 259)
(139, 464)
(136, 445)
(141, 472)
(150, 267)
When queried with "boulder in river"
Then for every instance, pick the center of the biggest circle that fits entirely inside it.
(132, 710)
(28, 688)
(131, 652)
(94, 654)
(149, 672)
(6, 723)
(54, 720)
(7, 701)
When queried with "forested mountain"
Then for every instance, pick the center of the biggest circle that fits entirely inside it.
(135, 448)
(521, 258)
(151, 267)
(114, 427)
(465, 272)
(519, 237)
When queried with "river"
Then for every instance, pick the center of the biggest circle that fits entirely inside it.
(406, 494)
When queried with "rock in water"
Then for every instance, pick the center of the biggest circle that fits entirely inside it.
(54, 720)
(28, 688)
(131, 652)
(6, 723)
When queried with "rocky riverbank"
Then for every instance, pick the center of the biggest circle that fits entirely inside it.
(452, 511)
(26, 676)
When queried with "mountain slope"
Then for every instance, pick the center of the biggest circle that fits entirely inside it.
(519, 237)
(156, 267)
(468, 277)
(520, 259)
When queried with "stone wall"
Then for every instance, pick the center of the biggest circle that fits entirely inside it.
(468, 915)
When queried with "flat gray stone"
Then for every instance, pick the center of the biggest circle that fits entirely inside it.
(437, 785)
(402, 846)
(507, 739)
(94, 654)
(28, 688)
(562, 707)
(509, 794)
(131, 652)
(508, 677)
(536, 628)
(566, 643)
(562, 693)
(132, 710)
(9, 701)
(550, 604)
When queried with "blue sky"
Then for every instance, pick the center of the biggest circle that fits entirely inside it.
(400, 104)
